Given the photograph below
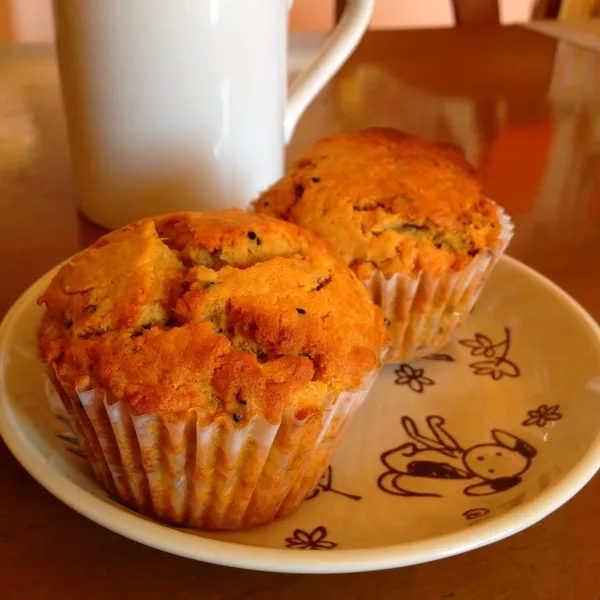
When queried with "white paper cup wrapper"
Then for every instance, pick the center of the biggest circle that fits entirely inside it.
(424, 311)
(212, 476)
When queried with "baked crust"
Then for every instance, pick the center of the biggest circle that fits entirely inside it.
(389, 201)
(222, 312)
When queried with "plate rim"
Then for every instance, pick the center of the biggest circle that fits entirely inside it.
(233, 554)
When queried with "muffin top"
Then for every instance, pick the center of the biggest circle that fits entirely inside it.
(223, 312)
(389, 201)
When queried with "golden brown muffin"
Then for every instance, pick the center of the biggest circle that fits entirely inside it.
(229, 315)
(390, 204)
(387, 200)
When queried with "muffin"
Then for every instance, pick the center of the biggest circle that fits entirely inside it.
(408, 217)
(210, 363)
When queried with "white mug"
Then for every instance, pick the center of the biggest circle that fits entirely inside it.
(181, 104)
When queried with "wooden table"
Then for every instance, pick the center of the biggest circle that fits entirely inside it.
(528, 113)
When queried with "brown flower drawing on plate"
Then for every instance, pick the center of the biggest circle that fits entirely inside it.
(413, 378)
(496, 363)
(326, 485)
(433, 458)
(542, 415)
(310, 540)
(476, 513)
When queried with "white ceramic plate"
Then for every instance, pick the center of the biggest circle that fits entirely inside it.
(446, 455)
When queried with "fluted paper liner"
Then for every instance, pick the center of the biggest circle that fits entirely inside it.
(424, 312)
(215, 476)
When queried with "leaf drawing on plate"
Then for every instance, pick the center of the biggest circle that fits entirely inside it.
(72, 444)
(495, 363)
(326, 485)
(440, 357)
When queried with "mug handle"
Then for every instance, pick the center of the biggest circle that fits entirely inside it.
(337, 48)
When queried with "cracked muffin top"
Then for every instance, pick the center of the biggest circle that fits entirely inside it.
(389, 201)
(223, 312)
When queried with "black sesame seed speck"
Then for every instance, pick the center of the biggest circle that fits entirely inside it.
(243, 401)
(316, 179)
(251, 235)
(301, 311)
(237, 417)
(258, 241)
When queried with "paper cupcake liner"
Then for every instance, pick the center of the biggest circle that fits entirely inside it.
(216, 476)
(425, 311)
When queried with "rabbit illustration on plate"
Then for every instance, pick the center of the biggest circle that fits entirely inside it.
(418, 467)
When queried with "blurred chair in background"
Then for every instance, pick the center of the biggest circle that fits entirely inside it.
(394, 14)
(578, 9)
(476, 12)
(439, 13)
(31, 20)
